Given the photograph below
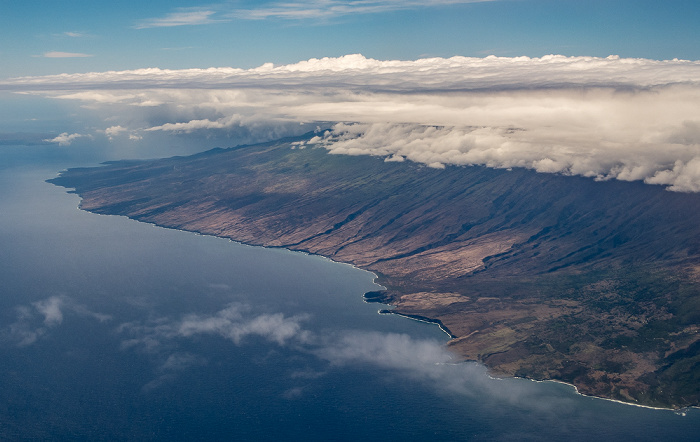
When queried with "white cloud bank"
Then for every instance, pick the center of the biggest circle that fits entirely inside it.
(605, 118)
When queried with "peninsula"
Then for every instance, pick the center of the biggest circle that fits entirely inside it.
(536, 275)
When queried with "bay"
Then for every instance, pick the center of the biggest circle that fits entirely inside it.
(114, 329)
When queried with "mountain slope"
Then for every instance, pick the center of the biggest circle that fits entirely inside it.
(537, 275)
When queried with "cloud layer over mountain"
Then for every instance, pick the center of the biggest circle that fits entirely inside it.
(606, 118)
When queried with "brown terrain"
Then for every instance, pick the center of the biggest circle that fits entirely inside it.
(535, 275)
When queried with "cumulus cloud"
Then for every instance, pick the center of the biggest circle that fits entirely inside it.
(230, 324)
(234, 322)
(604, 118)
(195, 125)
(64, 139)
(114, 131)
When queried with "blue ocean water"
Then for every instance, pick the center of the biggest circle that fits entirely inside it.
(114, 329)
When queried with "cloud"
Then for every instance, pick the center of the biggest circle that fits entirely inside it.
(23, 331)
(293, 393)
(230, 324)
(324, 9)
(113, 132)
(72, 34)
(64, 139)
(455, 74)
(37, 319)
(195, 125)
(51, 309)
(429, 364)
(424, 362)
(58, 54)
(234, 323)
(183, 17)
(299, 10)
(169, 370)
(604, 118)
(391, 350)
(592, 154)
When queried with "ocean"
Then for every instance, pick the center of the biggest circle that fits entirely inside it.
(111, 329)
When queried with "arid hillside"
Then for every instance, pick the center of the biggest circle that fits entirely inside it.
(536, 275)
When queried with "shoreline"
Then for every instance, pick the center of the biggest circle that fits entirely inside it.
(576, 390)
(517, 305)
(418, 318)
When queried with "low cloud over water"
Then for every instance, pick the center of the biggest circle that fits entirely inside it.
(425, 362)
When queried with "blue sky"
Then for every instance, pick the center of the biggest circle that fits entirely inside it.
(50, 37)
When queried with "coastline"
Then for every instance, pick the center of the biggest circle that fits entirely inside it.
(418, 318)
(678, 411)
(480, 280)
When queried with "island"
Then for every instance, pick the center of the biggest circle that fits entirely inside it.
(543, 276)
